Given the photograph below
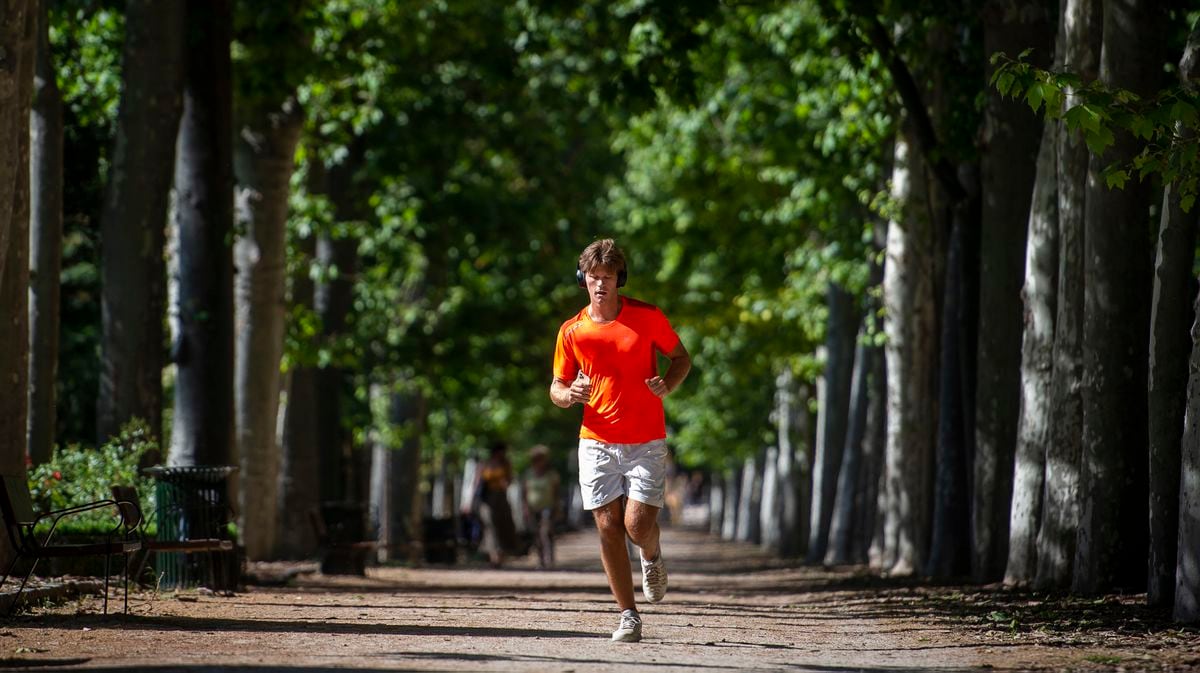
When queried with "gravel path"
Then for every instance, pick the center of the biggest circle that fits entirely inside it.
(729, 608)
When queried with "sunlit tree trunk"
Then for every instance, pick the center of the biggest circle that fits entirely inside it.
(1081, 21)
(202, 430)
(1037, 366)
(868, 519)
(264, 161)
(771, 508)
(46, 244)
(406, 419)
(1170, 318)
(133, 226)
(910, 325)
(1112, 542)
(790, 470)
(833, 411)
(733, 488)
(1010, 138)
(749, 501)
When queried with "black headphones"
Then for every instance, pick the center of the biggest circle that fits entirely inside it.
(622, 276)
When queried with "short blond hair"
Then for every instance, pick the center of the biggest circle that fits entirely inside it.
(602, 253)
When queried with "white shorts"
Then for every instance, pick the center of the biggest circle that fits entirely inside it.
(609, 471)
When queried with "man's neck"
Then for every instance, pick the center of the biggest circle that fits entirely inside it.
(606, 312)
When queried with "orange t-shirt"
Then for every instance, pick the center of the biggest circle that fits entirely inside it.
(618, 357)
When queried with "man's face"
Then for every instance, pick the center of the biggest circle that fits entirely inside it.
(601, 285)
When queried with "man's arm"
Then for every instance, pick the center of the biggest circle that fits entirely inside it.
(681, 364)
(564, 394)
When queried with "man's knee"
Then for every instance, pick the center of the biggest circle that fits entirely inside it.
(609, 520)
(640, 524)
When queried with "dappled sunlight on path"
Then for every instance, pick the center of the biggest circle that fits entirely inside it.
(730, 607)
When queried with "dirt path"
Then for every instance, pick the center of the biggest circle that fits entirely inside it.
(729, 608)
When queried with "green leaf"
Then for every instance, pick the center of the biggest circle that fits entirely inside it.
(1141, 127)
(1183, 111)
(1083, 117)
(1004, 83)
(1024, 54)
(1116, 178)
(1099, 140)
(1034, 95)
(1186, 202)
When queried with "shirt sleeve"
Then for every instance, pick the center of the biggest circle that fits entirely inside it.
(665, 338)
(565, 367)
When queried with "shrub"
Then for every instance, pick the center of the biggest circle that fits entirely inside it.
(78, 475)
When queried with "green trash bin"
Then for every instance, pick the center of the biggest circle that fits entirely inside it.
(192, 502)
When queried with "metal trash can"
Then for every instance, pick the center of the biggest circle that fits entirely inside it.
(192, 502)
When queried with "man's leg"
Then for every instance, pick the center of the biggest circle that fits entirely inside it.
(610, 521)
(641, 521)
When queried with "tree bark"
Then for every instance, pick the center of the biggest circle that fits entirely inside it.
(1113, 511)
(733, 489)
(868, 519)
(133, 226)
(841, 527)
(790, 437)
(300, 469)
(1010, 140)
(46, 239)
(202, 430)
(263, 163)
(771, 507)
(1187, 563)
(833, 393)
(406, 414)
(1170, 342)
(1081, 21)
(18, 39)
(910, 325)
(750, 500)
(1037, 366)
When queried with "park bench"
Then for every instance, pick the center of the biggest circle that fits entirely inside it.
(128, 498)
(341, 534)
(16, 505)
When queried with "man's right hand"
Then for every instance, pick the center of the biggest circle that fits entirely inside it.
(580, 391)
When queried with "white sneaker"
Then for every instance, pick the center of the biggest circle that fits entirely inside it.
(630, 629)
(654, 578)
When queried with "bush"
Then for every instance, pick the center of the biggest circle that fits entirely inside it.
(78, 475)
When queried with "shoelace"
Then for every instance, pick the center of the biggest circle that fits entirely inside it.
(630, 622)
(654, 573)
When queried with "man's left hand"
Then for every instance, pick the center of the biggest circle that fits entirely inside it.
(658, 386)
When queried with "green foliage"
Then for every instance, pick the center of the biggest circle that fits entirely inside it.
(1165, 123)
(78, 475)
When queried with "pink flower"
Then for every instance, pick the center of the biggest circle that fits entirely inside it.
(58, 475)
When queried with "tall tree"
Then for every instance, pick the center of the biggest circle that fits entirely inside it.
(1187, 563)
(1081, 20)
(1010, 137)
(1037, 365)
(834, 401)
(45, 244)
(910, 325)
(133, 226)
(18, 39)
(1170, 343)
(202, 430)
(1113, 510)
(268, 121)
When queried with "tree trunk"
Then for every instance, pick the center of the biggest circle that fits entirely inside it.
(18, 38)
(406, 416)
(868, 519)
(46, 239)
(771, 507)
(300, 471)
(133, 226)
(841, 527)
(792, 493)
(950, 548)
(733, 488)
(1187, 565)
(910, 324)
(1111, 549)
(14, 124)
(1010, 140)
(338, 257)
(716, 505)
(264, 161)
(1037, 366)
(202, 429)
(1170, 342)
(750, 500)
(833, 395)
(1060, 503)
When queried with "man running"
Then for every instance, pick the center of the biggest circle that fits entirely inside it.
(606, 358)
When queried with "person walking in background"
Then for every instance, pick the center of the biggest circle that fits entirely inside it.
(606, 358)
(499, 531)
(541, 490)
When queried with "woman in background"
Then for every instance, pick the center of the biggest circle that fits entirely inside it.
(541, 502)
(499, 531)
